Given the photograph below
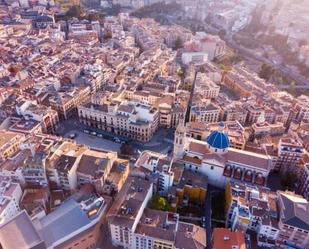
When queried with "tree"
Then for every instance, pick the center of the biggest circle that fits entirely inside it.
(159, 203)
(178, 43)
(266, 71)
(126, 149)
(74, 11)
(222, 33)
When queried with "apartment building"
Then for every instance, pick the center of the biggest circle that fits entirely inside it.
(51, 232)
(137, 227)
(123, 224)
(209, 113)
(225, 238)
(157, 163)
(205, 86)
(290, 152)
(63, 163)
(66, 101)
(304, 181)
(9, 144)
(94, 167)
(10, 195)
(294, 221)
(133, 120)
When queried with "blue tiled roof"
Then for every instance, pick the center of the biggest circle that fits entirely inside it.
(218, 140)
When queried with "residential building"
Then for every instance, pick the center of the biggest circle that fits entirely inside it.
(225, 238)
(290, 151)
(132, 120)
(10, 195)
(94, 167)
(157, 163)
(294, 221)
(48, 232)
(9, 144)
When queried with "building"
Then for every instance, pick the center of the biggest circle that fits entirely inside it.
(212, 45)
(35, 199)
(159, 164)
(290, 152)
(294, 221)
(205, 86)
(134, 226)
(19, 232)
(225, 238)
(195, 58)
(136, 121)
(215, 159)
(124, 222)
(10, 195)
(50, 232)
(252, 208)
(304, 182)
(9, 144)
(66, 101)
(94, 167)
(209, 113)
(234, 130)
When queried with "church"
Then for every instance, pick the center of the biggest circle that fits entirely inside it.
(215, 159)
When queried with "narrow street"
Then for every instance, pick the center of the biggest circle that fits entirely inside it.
(207, 214)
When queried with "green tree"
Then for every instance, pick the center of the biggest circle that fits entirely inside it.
(178, 43)
(266, 71)
(222, 33)
(159, 203)
(126, 149)
(74, 11)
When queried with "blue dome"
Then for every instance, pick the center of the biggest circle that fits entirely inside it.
(218, 140)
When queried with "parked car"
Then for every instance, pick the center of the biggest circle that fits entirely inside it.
(116, 139)
(93, 133)
(100, 135)
(86, 131)
(72, 135)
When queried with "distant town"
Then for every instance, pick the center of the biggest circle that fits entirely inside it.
(154, 124)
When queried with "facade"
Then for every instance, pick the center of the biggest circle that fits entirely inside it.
(205, 86)
(50, 232)
(157, 163)
(290, 152)
(94, 167)
(66, 101)
(132, 120)
(209, 113)
(294, 221)
(10, 195)
(217, 161)
(9, 144)
(304, 182)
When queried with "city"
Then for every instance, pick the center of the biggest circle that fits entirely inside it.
(149, 124)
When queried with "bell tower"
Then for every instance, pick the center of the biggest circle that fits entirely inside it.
(179, 141)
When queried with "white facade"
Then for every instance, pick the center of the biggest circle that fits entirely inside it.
(10, 195)
(196, 58)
